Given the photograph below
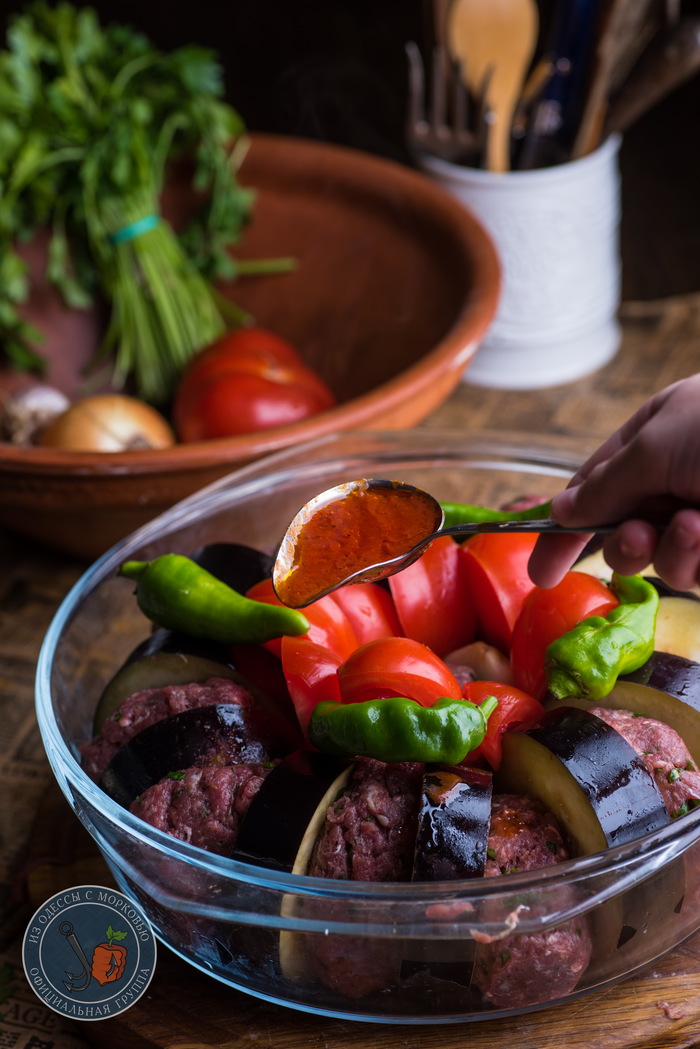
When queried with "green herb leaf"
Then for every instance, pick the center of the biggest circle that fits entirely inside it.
(92, 118)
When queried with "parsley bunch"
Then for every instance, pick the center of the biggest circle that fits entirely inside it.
(90, 119)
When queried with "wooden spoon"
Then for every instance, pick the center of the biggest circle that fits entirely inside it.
(496, 37)
(670, 60)
(626, 30)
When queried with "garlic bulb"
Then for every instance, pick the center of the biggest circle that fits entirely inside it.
(26, 414)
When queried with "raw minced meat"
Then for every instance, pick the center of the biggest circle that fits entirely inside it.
(203, 806)
(663, 752)
(369, 835)
(370, 831)
(150, 705)
(523, 970)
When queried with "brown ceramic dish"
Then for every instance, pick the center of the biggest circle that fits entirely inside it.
(396, 285)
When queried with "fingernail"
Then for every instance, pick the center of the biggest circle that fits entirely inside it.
(629, 550)
(685, 538)
(563, 504)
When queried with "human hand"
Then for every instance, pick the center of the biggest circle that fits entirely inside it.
(648, 470)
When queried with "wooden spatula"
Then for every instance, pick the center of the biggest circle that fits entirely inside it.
(495, 38)
(624, 34)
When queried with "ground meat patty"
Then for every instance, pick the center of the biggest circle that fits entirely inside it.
(369, 835)
(203, 806)
(370, 831)
(522, 837)
(151, 705)
(663, 752)
(519, 971)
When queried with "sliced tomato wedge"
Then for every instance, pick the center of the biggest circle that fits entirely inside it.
(329, 626)
(396, 666)
(515, 708)
(370, 610)
(496, 574)
(545, 616)
(311, 673)
(433, 600)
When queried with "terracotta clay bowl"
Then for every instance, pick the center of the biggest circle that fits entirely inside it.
(395, 286)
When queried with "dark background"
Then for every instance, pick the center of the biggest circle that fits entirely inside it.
(335, 70)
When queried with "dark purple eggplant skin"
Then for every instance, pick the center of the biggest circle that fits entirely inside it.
(173, 641)
(610, 772)
(664, 590)
(453, 833)
(235, 564)
(667, 672)
(222, 734)
(273, 827)
(453, 824)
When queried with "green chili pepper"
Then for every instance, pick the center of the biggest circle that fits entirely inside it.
(587, 660)
(177, 593)
(461, 513)
(400, 729)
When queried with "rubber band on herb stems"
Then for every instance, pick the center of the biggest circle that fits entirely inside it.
(135, 229)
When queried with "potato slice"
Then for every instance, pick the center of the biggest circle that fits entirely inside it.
(678, 627)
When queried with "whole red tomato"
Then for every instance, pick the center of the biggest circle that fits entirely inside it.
(248, 380)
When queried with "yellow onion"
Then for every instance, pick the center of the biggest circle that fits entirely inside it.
(109, 422)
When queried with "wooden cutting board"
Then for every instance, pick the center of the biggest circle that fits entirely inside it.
(183, 1009)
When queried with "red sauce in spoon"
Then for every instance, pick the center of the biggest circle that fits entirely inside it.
(358, 529)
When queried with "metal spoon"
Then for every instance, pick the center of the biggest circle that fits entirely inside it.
(366, 530)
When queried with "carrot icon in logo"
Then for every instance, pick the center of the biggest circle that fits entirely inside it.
(109, 959)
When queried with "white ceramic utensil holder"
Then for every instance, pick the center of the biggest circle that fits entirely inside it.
(556, 230)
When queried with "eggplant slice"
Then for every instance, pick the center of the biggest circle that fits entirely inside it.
(279, 823)
(160, 669)
(587, 776)
(674, 708)
(294, 946)
(452, 843)
(237, 565)
(222, 734)
(453, 824)
(678, 626)
(672, 675)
